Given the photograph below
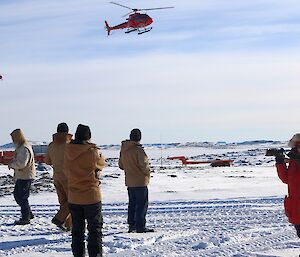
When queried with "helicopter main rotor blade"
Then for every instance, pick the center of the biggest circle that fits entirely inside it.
(159, 8)
(125, 15)
(121, 5)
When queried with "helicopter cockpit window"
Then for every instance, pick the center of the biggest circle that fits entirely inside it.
(141, 18)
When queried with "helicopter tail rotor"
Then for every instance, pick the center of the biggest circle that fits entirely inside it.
(108, 28)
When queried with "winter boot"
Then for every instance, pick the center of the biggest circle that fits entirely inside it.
(58, 223)
(78, 249)
(131, 229)
(145, 230)
(25, 217)
(95, 250)
(22, 222)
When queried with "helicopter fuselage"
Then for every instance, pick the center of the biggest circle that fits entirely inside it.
(135, 21)
(139, 20)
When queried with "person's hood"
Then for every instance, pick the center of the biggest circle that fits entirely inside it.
(293, 141)
(18, 137)
(61, 137)
(73, 151)
(128, 144)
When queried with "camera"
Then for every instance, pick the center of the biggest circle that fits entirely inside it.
(275, 152)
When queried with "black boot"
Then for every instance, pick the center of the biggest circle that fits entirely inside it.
(78, 249)
(59, 224)
(95, 250)
(22, 222)
(25, 217)
(145, 230)
(131, 229)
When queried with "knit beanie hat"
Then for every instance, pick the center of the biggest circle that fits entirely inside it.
(63, 127)
(135, 135)
(83, 133)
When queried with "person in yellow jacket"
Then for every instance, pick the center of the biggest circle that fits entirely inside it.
(55, 157)
(82, 164)
(24, 172)
(134, 161)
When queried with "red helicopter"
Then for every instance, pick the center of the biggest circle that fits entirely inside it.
(136, 21)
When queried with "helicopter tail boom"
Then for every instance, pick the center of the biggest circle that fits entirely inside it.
(123, 25)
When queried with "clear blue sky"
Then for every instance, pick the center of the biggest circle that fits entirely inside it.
(208, 71)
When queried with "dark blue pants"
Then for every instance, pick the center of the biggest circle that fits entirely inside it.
(297, 227)
(21, 194)
(93, 214)
(137, 207)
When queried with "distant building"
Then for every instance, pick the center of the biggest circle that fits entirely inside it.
(39, 149)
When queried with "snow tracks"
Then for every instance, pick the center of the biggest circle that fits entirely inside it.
(239, 228)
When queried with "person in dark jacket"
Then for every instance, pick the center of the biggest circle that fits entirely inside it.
(24, 172)
(290, 175)
(134, 161)
(82, 164)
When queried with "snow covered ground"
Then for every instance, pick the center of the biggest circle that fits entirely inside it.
(195, 210)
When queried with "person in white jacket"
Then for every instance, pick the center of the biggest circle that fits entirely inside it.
(24, 172)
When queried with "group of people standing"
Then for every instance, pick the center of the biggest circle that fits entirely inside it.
(76, 166)
(76, 169)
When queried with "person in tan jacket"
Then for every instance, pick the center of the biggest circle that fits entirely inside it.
(24, 172)
(82, 164)
(55, 157)
(134, 161)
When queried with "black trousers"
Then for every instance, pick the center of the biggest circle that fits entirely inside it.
(21, 194)
(92, 213)
(297, 227)
(137, 207)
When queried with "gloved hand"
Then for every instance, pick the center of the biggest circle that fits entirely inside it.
(279, 159)
(295, 156)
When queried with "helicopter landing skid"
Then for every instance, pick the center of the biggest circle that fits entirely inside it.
(144, 31)
(131, 30)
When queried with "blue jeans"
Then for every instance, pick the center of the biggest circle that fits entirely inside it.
(93, 214)
(21, 194)
(137, 207)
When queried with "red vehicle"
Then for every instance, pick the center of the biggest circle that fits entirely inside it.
(213, 163)
(136, 21)
(1, 77)
(6, 157)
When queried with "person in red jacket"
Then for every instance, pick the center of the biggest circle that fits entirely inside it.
(290, 175)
